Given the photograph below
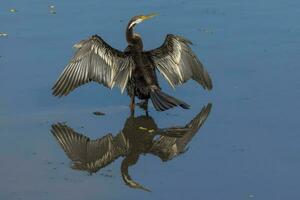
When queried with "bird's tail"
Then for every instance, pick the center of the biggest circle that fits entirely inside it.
(163, 101)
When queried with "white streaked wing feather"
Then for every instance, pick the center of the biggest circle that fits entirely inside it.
(167, 147)
(177, 62)
(95, 61)
(74, 144)
(92, 155)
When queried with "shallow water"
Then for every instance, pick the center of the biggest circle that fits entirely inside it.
(248, 148)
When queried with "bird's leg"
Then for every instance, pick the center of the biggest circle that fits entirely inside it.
(143, 104)
(131, 105)
(146, 106)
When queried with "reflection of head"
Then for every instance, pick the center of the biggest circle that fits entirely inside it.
(130, 160)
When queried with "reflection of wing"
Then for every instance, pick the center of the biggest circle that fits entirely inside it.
(177, 62)
(95, 61)
(169, 147)
(88, 155)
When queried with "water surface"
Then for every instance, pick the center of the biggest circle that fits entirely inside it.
(248, 147)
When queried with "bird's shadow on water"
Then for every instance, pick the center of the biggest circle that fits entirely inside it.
(140, 135)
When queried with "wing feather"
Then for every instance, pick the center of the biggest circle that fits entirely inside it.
(74, 144)
(167, 147)
(96, 61)
(86, 154)
(177, 62)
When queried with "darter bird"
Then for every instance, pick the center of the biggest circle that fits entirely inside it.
(134, 68)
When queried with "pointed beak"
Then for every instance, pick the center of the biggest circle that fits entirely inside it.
(144, 17)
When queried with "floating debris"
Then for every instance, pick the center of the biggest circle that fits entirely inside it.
(151, 130)
(3, 34)
(251, 195)
(52, 9)
(12, 10)
(98, 113)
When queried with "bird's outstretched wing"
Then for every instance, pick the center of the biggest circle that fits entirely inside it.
(177, 62)
(167, 147)
(96, 61)
(88, 155)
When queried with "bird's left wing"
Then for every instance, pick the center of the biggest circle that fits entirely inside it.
(95, 60)
(177, 62)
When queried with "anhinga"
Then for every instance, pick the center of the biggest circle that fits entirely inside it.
(134, 69)
(136, 138)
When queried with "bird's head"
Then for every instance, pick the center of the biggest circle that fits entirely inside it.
(140, 18)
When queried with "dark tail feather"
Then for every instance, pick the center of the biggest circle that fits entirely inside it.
(162, 101)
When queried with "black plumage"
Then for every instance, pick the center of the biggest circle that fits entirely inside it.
(134, 68)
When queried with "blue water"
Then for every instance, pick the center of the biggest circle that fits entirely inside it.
(247, 149)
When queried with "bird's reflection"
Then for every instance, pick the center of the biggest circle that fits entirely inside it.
(136, 138)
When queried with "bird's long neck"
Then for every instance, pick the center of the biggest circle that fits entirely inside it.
(129, 34)
(134, 39)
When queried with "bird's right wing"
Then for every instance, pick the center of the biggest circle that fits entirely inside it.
(74, 144)
(167, 147)
(95, 60)
(86, 154)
